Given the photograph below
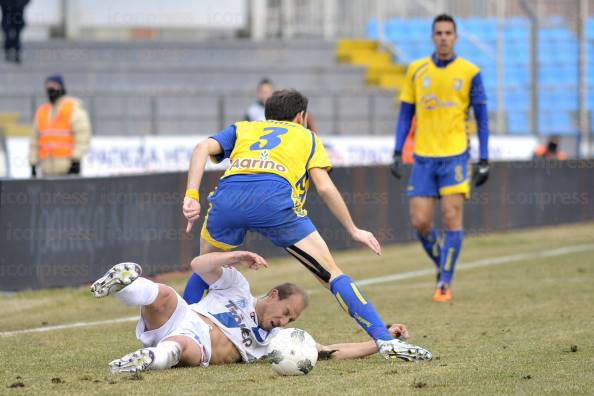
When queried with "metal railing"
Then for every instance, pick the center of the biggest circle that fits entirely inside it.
(373, 113)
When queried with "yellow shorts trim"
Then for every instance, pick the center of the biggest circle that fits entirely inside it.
(462, 188)
(206, 235)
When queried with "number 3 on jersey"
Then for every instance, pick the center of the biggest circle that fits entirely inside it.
(272, 139)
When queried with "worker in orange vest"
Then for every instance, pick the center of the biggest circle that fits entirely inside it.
(409, 144)
(550, 150)
(62, 132)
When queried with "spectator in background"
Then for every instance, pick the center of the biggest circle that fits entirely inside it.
(61, 132)
(256, 111)
(13, 23)
(550, 151)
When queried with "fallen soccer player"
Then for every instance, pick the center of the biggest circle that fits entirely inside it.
(229, 325)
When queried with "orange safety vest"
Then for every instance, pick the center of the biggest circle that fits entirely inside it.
(541, 152)
(409, 144)
(55, 134)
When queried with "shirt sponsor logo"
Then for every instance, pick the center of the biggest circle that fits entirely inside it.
(252, 163)
(431, 102)
(246, 335)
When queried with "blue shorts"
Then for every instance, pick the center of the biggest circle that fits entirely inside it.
(260, 203)
(436, 177)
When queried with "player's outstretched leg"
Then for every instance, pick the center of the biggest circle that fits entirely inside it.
(196, 289)
(158, 303)
(165, 355)
(313, 253)
(140, 360)
(399, 349)
(114, 280)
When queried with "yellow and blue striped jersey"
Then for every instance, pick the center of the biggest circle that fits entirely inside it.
(441, 93)
(281, 148)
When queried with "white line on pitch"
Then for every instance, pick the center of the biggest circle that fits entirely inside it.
(68, 326)
(489, 262)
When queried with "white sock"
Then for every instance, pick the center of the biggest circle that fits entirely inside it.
(167, 354)
(140, 292)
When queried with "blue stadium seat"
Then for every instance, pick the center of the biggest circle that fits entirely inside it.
(517, 34)
(518, 122)
(590, 28)
(517, 100)
(373, 29)
(556, 122)
(557, 57)
(567, 100)
(555, 34)
(517, 76)
(515, 22)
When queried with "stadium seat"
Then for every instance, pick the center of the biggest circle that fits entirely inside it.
(557, 58)
(518, 122)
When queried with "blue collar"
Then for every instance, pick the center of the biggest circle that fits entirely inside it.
(441, 63)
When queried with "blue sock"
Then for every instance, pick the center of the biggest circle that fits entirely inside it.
(452, 244)
(430, 243)
(354, 302)
(196, 289)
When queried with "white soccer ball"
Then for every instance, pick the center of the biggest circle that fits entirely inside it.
(292, 352)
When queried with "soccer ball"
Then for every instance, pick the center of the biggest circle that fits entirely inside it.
(292, 352)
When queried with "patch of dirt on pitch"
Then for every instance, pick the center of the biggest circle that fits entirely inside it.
(58, 380)
(136, 377)
(419, 384)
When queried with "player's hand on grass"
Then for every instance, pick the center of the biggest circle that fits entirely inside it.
(396, 166)
(191, 209)
(248, 259)
(367, 239)
(481, 174)
(399, 331)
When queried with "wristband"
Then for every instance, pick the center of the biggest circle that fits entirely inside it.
(193, 193)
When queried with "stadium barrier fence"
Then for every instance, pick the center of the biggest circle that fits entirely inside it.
(68, 231)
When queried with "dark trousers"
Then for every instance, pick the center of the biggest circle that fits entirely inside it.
(13, 23)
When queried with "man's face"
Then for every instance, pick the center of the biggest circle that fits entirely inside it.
(278, 313)
(444, 38)
(52, 85)
(264, 92)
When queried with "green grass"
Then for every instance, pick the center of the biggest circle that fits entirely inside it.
(510, 329)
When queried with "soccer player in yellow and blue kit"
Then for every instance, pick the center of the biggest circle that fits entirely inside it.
(264, 190)
(440, 89)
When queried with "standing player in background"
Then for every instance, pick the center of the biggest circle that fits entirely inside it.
(264, 190)
(440, 89)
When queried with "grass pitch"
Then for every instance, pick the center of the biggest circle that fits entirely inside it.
(523, 323)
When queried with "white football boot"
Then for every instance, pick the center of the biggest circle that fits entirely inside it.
(399, 349)
(140, 360)
(118, 277)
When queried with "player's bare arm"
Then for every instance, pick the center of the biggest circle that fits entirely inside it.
(191, 206)
(210, 266)
(357, 350)
(333, 200)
